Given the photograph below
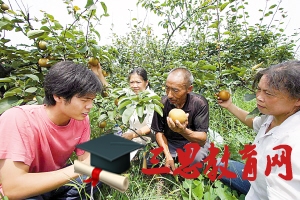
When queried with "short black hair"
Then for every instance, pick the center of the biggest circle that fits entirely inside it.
(67, 79)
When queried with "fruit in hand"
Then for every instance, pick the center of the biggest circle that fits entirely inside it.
(102, 124)
(224, 95)
(93, 61)
(42, 45)
(43, 62)
(104, 73)
(178, 114)
(4, 6)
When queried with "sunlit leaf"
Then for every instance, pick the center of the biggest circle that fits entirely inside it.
(214, 25)
(272, 6)
(89, 3)
(33, 77)
(104, 7)
(158, 103)
(208, 67)
(2, 24)
(58, 25)
(223, 6)
(102, 117)
(35, 33)
(124, 103)
(13, 92)
(127, 114)
(31, 89)
(140, 110)
(83, 48)
(5, 80)
(40, 100)
(68, 34)
(158, 109)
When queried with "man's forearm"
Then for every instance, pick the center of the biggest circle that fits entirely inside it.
(195, 136)
(163, 142)
(32, 184)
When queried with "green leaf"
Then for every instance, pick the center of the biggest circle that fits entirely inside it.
(155, 96)
(141, 119)
(68, 34)
(45, 28)
(102, 117)
(123, 104)
(51, 17)
(158, 110)
(5, 80)
(208, 67)
(97, 33)
(95, 50)
(35, 33)
(89, 3)
(58, 25)
(127, 114)
(40, 100)
(104, 7)
(83, 48)
(7, 103)
(272, 6)
(249, 97)
(140, 110)
(223, 6)
(2, 24)
(13, 92)
(31, 89)
(33, 77)
(198, 189)
(111, 115)
(155, 101)
(214, 25)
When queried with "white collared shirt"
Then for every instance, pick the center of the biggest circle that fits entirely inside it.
(272, 186)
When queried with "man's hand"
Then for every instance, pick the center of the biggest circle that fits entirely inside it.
(177, 126)
(170, 163)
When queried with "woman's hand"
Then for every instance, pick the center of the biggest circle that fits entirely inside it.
(224, 104)
(128, 135)
(96, 69)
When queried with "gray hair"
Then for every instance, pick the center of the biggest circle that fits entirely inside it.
(284, 76)
(187, 75)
